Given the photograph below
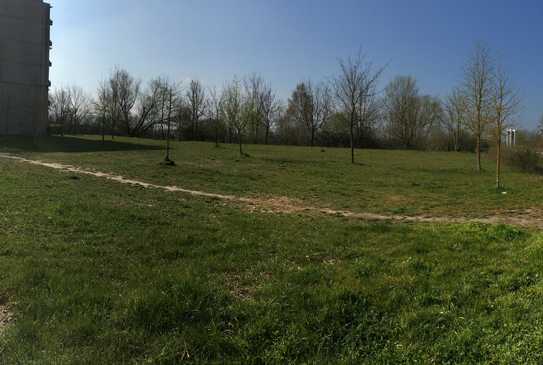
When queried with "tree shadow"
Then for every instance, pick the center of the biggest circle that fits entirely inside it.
(68, 145)
(356, 163)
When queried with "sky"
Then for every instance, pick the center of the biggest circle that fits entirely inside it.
(287, 41)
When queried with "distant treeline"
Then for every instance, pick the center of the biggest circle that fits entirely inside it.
(351, 110)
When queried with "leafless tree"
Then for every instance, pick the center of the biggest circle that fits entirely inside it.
(182, 115)
(369, 113)
(505, 104)
(80, 107)
(70, 106)
(156, 109)
(323, 106)
(402, 107)
(262, 103)
(311, 107)
(410, 117)
(478, 91)
(254, 86)
(168, 92)
(301, 108)
(269, 106)
(429, 116)
(197, 102)
(233, 110)
(357, 80)
(455, 109)
(125, 91)
(147, 108)
(215, 108)
(59, 109)
(102, 106)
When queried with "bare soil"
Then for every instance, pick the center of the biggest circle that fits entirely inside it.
(5, 317)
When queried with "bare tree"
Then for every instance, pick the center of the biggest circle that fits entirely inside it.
(410, 117)
(182, 115)
(197, 101)
(125, 91)
(504, 103)
(80, 107)
(478, 91)
(301, 106)
(323, 106)
(402, 107)
(123, 102)
(215, 108)
(102, 107)
(429, 116)
(70, 106)
(311, 107)
(269, 105)
(262, 103)
(233, 108)
(59, 110)
(168, 101)
(369, 113)
(254, 86)
(455, 109)
(357, 80)
(147, 108)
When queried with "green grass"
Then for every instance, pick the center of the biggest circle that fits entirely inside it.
(100, 273)
(404, 182)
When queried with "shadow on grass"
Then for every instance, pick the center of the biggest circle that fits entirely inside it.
(361, 164)
(68, 145)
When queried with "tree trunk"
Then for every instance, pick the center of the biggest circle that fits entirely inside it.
(478, 152)
(103, 131)
(240, 144)
(457, 138)
(498, 160)
(168, 143)
(352, 139)
(267, 135)
(256, 134)
(217, 133)
(194, 129)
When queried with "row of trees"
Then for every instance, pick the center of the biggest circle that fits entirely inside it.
(487, 102)
(348, 110)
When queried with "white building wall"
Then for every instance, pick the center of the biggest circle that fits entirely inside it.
(24, 66)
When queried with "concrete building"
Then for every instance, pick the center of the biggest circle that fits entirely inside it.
(24, 66)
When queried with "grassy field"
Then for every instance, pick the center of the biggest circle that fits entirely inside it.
(101, 273)
(393, 182)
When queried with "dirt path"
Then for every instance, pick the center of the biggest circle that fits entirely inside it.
(528, 218)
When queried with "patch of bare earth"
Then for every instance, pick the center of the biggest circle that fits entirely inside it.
(237, 289)
(5, 317)
(527, 218)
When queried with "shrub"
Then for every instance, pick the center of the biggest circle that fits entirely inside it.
(524, 159)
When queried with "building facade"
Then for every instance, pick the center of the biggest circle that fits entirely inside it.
(24, 67)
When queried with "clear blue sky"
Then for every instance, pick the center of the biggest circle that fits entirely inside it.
(291, 40)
